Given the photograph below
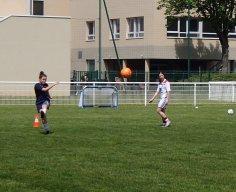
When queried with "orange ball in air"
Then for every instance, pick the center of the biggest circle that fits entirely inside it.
(126, 72)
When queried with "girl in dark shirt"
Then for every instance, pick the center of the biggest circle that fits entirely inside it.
(43, 98)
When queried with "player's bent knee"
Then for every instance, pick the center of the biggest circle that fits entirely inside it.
(44, 110)
(158, 110)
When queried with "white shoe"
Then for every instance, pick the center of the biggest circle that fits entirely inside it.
(163, 125)
(167, 123)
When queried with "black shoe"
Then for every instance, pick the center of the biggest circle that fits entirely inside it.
(48, 132)
(42, 114)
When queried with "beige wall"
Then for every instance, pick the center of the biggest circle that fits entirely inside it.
(30, 44)
(57, 7)
(22, 7)
(16, 7)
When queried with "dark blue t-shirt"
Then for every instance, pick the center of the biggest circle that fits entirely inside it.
(41, 96)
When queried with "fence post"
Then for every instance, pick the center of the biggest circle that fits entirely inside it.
(209, 91)
(232, 92)
(195, 94)
(145, 94)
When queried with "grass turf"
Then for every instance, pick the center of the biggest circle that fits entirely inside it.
(120, 150)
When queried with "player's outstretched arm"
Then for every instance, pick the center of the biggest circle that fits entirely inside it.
(154, 96)
(50, 86)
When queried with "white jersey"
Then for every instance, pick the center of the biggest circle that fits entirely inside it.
(163, 88)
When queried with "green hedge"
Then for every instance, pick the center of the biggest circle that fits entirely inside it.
(205, 77)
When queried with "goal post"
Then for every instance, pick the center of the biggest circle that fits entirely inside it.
(99, 96)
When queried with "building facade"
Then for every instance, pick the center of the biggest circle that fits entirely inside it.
(140, 38)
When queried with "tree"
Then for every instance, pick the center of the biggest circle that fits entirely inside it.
(220, 13)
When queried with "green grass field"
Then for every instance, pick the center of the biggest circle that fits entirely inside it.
(118, 150)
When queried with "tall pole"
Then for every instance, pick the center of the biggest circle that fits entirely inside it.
(100, 40)
(112, 35)
(188, 38)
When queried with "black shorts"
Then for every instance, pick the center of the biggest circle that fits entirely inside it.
(39, 105)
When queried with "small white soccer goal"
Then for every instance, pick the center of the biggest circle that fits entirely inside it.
(222, 91)
(99, 96)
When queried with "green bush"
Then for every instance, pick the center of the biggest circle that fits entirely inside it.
(205, 77)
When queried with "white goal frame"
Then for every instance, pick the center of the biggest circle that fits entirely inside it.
(98, 96)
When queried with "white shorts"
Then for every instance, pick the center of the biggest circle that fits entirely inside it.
(162, 103)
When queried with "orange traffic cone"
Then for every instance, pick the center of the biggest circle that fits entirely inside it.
(36, 121)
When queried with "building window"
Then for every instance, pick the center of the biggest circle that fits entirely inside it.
(91, 65)
(38, 7)
(172, 24)
(178, 28)
(232, 32)
(115, 25)
(207, 30)
(80, 55)
(90, 30)
(135, 27)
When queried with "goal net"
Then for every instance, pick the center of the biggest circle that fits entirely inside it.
(221, 91)
(99, 96)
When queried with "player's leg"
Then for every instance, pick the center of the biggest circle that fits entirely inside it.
(167, 124)
(43, 113)
(161, 110)
(163, 120)
(161, 113)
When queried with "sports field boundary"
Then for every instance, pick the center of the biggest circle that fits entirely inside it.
(67, 93)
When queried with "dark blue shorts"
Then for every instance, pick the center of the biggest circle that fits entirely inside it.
(39, 105)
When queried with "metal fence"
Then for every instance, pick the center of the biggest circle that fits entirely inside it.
(138, 76)
(68, 93)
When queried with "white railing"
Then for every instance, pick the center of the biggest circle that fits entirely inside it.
(67, 93)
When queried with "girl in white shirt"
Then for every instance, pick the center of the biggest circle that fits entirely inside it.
(164, 90)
